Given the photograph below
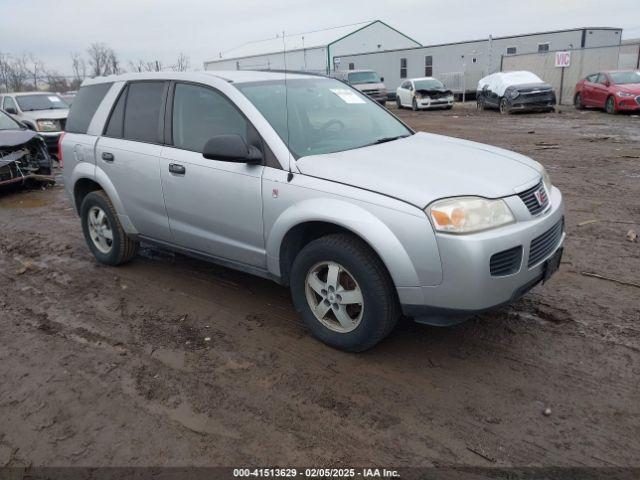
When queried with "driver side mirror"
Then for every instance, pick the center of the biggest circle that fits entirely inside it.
(607, 83)
(11, 110)
(231, 148)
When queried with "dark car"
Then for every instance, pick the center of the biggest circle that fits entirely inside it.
(614, 91)
(515, 91)
(23, 154)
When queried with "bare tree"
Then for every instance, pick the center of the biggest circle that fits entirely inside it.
(35, 68)
(182, 64)
(56, 82)
(79, 67)
(14, 73)
(146, 66)
(103, 60)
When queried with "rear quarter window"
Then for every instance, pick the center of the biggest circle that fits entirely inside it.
(84, 107)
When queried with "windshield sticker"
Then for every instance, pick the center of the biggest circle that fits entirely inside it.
(54, 99)
(347, 96)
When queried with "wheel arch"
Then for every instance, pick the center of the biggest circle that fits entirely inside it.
(303, 223)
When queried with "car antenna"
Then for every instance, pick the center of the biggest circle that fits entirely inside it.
(286, 104)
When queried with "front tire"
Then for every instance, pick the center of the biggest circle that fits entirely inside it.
(504, 107)
(414, 105)
(344, 293)
(610, 106)
(103, 232)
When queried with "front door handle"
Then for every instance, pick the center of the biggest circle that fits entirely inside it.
(177, 169)
(108, 157)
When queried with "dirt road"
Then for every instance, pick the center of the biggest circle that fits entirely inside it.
(170, 361)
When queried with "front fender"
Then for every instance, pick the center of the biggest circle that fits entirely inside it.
(352, 217)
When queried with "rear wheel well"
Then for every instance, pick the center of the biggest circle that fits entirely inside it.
(301, 235)
(82, 188)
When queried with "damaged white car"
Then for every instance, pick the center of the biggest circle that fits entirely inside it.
(424, 93)
(23, 154)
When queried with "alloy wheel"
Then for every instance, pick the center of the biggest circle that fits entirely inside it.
(100, 229)
(334, 296)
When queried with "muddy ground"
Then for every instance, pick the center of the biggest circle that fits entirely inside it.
(170, 361)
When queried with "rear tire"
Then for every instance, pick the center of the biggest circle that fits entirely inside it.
(103, 232)
(610, 106)
(414, 105)
(357, 269)
(577, 102)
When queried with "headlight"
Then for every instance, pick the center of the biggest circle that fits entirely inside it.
(418, 95)
(48, 126)
(546, 179)
(514, 93)
(469, 214)
(625, 94)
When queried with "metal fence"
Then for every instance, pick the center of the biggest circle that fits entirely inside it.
(583, 62)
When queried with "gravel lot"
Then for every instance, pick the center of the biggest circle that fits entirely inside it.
(171, 361)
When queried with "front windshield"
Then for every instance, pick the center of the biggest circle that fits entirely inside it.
(8, 123)
(358, 78)
(40, 102)
(622, 78)
(431, 84)
(324, 115)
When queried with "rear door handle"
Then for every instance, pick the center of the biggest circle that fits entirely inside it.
(108, 157)
(177, 169)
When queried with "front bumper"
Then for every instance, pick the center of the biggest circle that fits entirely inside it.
(533, 102)
(434, 102)
(468, 287)
(628, 104)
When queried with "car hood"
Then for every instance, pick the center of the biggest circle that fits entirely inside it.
(13, 138)
(49, 114)
(425, 167)
(629, 88)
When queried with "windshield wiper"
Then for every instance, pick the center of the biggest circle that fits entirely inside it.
(388, 139)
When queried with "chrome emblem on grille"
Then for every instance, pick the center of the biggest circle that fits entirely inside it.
(541, 196)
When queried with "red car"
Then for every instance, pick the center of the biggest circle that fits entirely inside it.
(615, 91)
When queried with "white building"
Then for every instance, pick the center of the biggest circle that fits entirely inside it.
(317, 51)
(460, 65)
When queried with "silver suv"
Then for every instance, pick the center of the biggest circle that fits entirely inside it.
(306, 181)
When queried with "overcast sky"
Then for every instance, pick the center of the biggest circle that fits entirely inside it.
(161, 29)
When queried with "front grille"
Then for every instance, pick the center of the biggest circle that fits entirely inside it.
(506, 262)
(545, 244)
(536, 199)
(372, 93)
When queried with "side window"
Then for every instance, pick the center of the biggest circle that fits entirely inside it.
(602, 79)
(405, 85)
(84, 107)
(115, 127)
(403, 68)
(428, 66)
(512, 50)
(199, 113)
(142, 111)
(543, 47)
(352, 66)
(8, 103)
